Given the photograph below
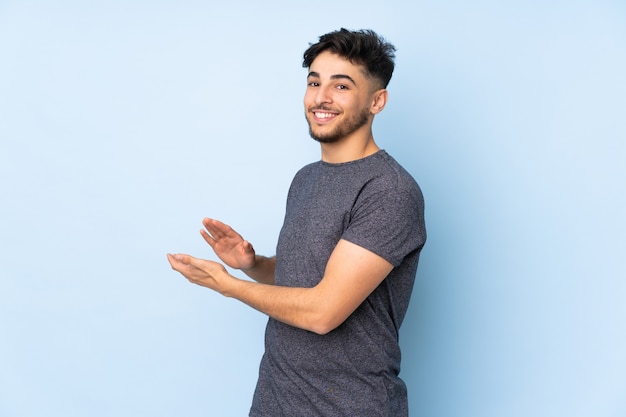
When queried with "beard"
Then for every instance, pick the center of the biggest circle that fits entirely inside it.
(344, 129)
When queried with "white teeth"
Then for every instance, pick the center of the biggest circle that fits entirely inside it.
(324, 115)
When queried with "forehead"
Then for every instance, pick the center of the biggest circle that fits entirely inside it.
(327, 64)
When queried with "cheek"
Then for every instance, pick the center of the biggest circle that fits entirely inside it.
(309, 98)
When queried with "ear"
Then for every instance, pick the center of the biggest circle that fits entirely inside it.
(379, 100)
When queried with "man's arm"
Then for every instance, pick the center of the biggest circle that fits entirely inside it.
(263, 269)
(352, 273)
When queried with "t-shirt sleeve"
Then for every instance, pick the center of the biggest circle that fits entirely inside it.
(389, 223)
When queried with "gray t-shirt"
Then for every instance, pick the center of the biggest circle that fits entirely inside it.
(353, 370)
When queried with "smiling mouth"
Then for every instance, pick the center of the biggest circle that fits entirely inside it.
(323, 116)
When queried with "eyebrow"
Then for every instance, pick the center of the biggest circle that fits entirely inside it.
(333, 77)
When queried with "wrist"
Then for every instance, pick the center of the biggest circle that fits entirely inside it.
(231, 287)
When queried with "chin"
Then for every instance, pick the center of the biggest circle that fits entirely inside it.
(331, 137)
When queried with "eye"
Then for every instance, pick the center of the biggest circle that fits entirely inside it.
(342, 87)
(313, 84)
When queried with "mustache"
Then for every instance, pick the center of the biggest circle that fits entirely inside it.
(322, 108)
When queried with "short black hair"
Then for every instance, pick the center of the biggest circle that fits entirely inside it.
(361, 47)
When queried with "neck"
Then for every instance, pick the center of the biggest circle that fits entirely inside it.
(350, 148)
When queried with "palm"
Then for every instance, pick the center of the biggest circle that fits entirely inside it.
(228, 245)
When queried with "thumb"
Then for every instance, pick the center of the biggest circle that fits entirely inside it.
(247, 246)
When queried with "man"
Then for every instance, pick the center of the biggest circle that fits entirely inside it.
(339, 286)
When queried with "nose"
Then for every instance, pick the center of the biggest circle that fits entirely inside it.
(322, 95)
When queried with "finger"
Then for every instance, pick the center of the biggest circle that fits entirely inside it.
(177, 265)
(207, 237)
(190, 261)
(215, 228)
(186, 265)
(173, 260)
(181, 260)
(177, 257)
(220, 230)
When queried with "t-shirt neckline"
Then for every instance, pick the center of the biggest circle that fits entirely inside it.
(376, 154)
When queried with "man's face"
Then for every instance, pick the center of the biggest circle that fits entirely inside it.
(337, 99)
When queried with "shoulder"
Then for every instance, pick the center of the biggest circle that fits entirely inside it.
(304, 175)
(307, 170)
(390, 178)
(388, 215)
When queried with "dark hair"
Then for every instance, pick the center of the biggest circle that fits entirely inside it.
(361, 47)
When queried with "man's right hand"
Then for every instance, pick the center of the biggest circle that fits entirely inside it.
(228, 245)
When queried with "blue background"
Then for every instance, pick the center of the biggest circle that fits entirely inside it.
(122, 124)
